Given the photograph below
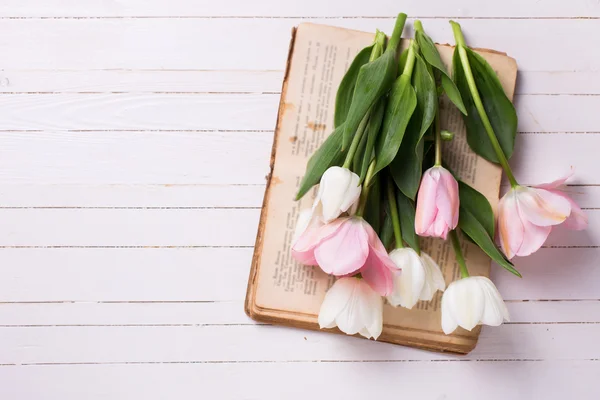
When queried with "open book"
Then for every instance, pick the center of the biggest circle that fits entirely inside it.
(282, 291)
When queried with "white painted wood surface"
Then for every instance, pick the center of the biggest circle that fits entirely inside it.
(134, 143)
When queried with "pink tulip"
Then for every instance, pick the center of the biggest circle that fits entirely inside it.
(526, 216)
(577, 220)
(437, 203)
(347, 246)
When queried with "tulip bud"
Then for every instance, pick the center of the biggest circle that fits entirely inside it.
(420, 278)
(352, 306)
(472, 301)
(338, 192)
(437, 203)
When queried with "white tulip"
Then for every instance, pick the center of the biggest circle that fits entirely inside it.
(352, 306)
(338, 192)
(420, 278)
(471, 301)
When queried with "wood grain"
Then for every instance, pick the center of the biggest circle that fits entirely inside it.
(262, 43)
(235, 81)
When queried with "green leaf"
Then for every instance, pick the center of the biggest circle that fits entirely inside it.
(498, 108)
(375, 121)
(406, 210)
(343, 98)
(387, 229)
(372, 212)
(453, 94)
(469, 224)
(478, 205)
(406, 168)
(373, 81)
(400, 107)
(328, 155)
(425, 89)
(432, 56)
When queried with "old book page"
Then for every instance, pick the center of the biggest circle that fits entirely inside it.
(280, 290)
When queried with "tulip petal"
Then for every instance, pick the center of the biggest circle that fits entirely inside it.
(338, 190)
(304, 220)
(336, 299)
(409, 283)
(533, 238)
(577, 220)
(466, 302)
(439, 228)
(373, 312)
(557, 183)
(426, 204)
(542, 207)
(344, 251)
(378, 274)
(447, 200)
(510, 228)
(449, 324)
(354, 307)
(434, 279)
(495, 311)
(303, 247)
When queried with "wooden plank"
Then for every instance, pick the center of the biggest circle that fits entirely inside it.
(125, 274)
(139, 81)
(67, 227)
(299, 381)
(273, 8)
(245, 343)
(128, 227)
(94, 158)
(135, 196)
(138, 111)
(172, 196)
(242, 81)
(232, 313)
(221, 274)
(205, 111)
(135, 157)
(262, 43)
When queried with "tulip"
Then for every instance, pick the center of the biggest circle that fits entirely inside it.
(437, 203)
(577, 220)
(338, 192)
(471, 301)
(526, 216)
(354, 307)
(347, 246)
(420, 278)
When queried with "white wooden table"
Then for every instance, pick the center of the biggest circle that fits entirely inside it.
(134, 143)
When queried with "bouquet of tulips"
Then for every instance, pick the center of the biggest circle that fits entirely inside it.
(373, 195)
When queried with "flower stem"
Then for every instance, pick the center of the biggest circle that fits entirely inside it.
(356, 140)
(438, 139)
(464, 60)
(464, 272)
(365, 189)
(397, 33)
(410, 59)
(394, 213)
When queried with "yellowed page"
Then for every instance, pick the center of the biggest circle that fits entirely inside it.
(280, 289)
